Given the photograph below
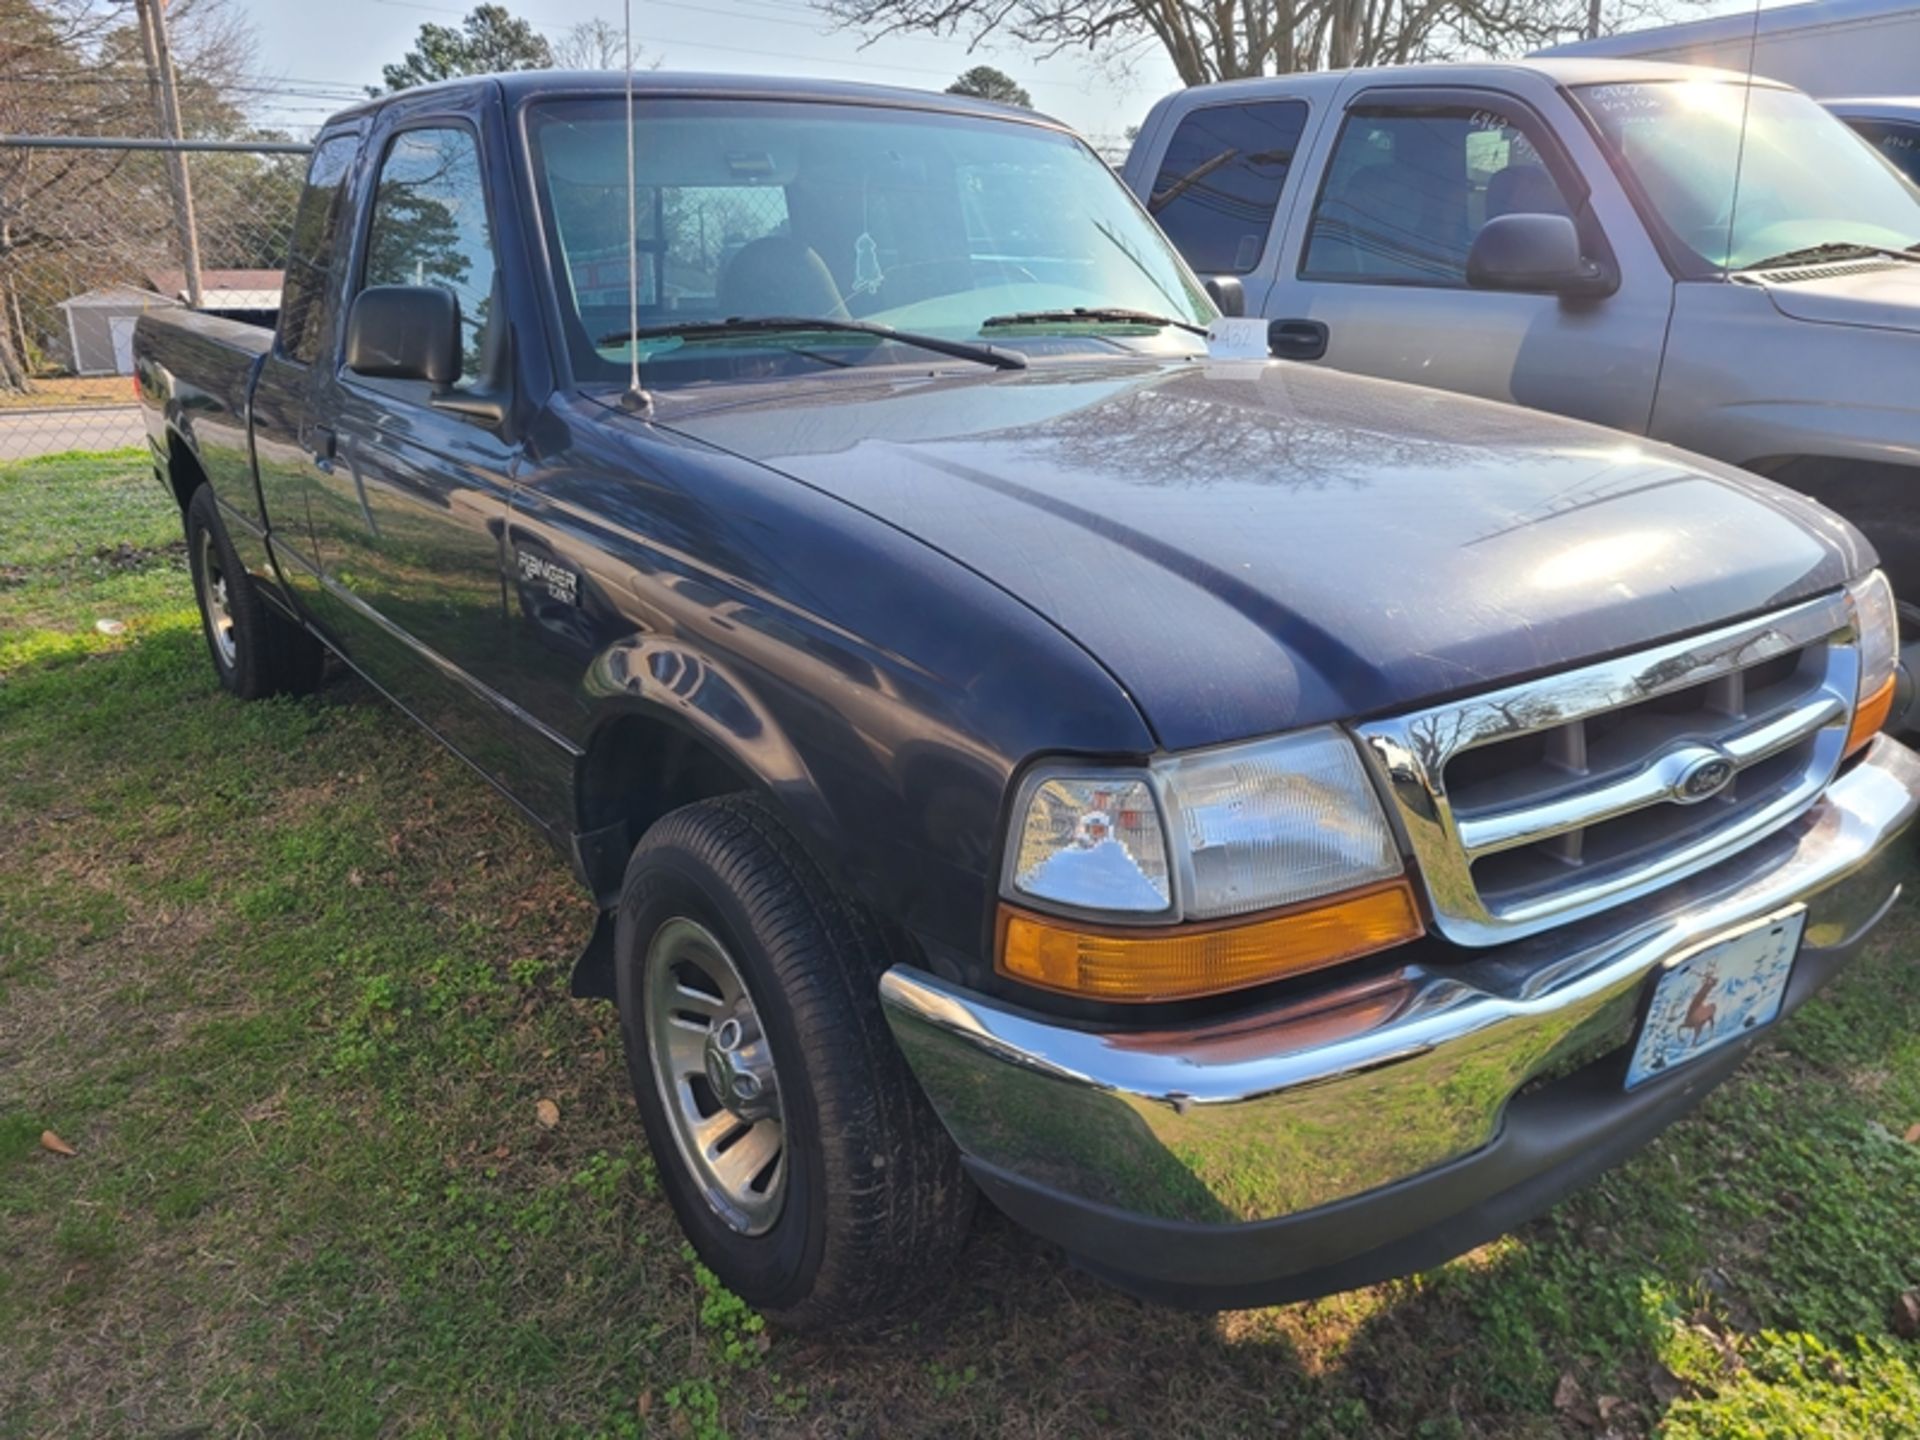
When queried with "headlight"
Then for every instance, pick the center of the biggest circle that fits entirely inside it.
(1164, 860)
(1276, 823)
(1092, 842)
(1876, 622)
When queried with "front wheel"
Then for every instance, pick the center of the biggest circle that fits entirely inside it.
(256, 650)
(797, 1151)
(1904, 719)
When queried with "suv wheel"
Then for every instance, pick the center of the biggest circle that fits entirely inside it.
(798, 1153)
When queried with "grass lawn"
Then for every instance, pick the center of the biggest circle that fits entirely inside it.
(291, 983)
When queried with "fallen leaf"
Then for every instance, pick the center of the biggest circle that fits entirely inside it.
(1912, 1137)
(1666, 1386)
(1906, 1316)
(1566, 1395)
(500, 1152)
(547, 1113)
(51, 1141)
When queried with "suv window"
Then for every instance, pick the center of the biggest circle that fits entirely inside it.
(1898, 141)
(316, 229)
(1406, 192)
(1221, 179)
(429, 227)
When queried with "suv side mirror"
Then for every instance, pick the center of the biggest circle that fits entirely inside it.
(405, 332)
(1228, 295)
(1534, 253)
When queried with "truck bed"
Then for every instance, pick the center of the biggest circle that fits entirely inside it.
(200, 368)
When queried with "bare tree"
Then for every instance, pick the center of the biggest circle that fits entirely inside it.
(596, 45)
(1211, 40)
(75, 67)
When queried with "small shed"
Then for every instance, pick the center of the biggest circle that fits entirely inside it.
(100, 327)
(224, 292)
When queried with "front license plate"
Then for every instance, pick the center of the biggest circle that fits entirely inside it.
(1716, 995)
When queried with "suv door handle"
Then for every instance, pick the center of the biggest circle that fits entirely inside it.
(324, 444)
(1297, 339)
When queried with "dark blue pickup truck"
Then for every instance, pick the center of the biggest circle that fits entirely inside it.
(1268, 830)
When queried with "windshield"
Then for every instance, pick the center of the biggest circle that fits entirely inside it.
(1804, 178)
(926, 223)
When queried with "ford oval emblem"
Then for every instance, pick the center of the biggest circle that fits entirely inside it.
(1703, 779)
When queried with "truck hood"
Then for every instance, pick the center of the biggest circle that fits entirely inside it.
(1251, 547)
(1885, 297)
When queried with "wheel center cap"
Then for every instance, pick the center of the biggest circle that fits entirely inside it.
(739, 1070)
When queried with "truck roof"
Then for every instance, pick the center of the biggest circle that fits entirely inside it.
(1568, 70)
(518, 86)
(1876, 107)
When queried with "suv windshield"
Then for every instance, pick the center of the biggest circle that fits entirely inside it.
(926, 223)
(1805, 179)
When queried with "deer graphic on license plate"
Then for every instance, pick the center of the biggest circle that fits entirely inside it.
(1716, 995)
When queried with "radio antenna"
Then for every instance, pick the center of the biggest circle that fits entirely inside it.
(1740, 152)
(636, 401)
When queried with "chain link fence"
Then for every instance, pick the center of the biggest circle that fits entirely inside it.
(91, 237)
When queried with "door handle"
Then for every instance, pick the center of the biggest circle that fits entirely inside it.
(1297, 339)
(323, 443)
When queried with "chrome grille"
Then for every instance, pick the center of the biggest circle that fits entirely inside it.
(1546, 801)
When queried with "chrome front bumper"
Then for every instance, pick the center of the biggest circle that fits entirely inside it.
(1115, 1139)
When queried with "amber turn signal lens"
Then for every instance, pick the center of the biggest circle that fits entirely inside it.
(1869, 716)
(1179, 962)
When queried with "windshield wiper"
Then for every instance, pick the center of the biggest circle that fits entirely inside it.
(1090, 314)
(804, 324)
(1831, 250)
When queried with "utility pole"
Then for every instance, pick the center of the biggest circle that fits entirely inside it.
(166, 110)
(1593, 19)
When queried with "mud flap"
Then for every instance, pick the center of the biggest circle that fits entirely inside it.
(593, 971)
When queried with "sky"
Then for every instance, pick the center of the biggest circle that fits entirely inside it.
(314, 55)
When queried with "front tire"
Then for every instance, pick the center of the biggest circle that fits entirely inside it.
(256, 651)
(798, 1153)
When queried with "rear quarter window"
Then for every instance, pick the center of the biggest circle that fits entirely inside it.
(1221, 179)
(316, 231)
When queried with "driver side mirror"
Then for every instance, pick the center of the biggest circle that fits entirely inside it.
(405, 332)
(412, 332)
(1538, 254)
(1228, 295)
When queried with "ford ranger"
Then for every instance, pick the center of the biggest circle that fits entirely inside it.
(1268, 830)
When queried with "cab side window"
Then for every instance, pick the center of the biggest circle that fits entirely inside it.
(429, 227)
(316, 230)
(1406, 192)
(1221, 179)
(1900, 143)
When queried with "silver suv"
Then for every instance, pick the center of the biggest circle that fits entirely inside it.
(1590, 237)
